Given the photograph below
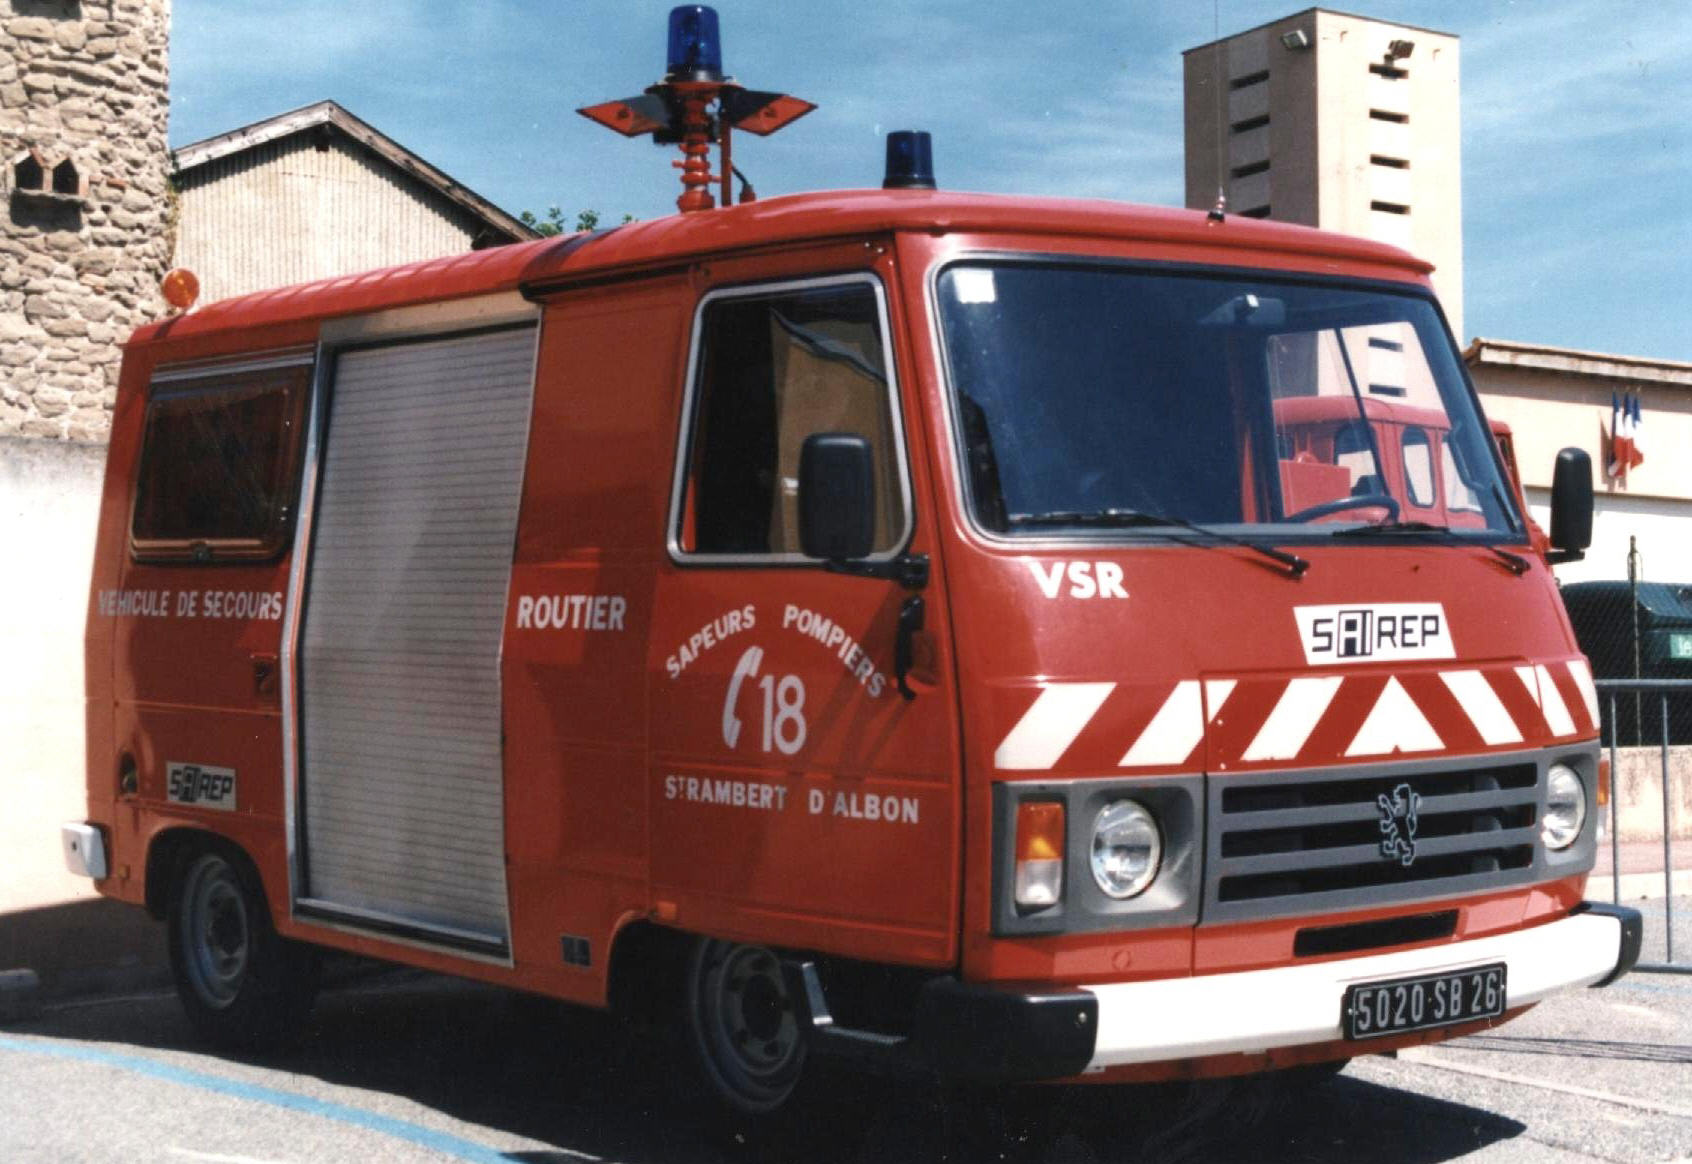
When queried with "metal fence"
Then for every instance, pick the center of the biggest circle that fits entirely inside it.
(1651, 701)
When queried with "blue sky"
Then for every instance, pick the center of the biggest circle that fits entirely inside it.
(1577, 115)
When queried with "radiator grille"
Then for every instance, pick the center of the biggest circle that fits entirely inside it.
(1285, 843)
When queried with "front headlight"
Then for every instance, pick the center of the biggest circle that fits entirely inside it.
(1127, 848)
(1565, 807)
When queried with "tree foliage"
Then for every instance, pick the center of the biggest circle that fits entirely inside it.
(553, 222)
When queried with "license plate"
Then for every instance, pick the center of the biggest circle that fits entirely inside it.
(1680, 646)
(1374, 1009)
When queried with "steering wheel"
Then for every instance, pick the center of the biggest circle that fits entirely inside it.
(1341, 504)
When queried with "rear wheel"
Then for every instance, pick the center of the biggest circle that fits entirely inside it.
(742, 1028)
(242, 985)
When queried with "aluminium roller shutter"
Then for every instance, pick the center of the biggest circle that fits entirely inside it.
(400, 770)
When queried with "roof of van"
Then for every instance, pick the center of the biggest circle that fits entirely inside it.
(792, 218)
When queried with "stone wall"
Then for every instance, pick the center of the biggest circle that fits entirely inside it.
(88, 209)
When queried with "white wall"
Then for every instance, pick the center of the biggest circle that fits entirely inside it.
(49, 504)
(1662, 526)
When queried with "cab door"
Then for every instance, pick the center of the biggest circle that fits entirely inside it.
(799, 797)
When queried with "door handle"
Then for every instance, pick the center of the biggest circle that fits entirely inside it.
(910, 622)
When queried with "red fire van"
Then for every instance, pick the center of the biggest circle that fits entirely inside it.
(1010, 638)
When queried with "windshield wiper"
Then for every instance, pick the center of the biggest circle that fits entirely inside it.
(1114, 518)
(1518, 565)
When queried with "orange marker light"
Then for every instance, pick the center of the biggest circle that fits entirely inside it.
(180, 288)
(1603, 781)
(1039, 854)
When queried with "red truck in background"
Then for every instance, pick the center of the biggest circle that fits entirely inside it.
(1017, 639)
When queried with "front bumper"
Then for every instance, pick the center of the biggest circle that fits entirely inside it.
(1260, 1010)
(988, 1034)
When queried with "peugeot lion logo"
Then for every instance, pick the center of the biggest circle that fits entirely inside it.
(1398, 824)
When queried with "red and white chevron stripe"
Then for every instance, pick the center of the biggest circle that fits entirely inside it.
(1255, 720)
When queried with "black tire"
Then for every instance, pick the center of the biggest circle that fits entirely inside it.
(244, 988)
(740, 1028)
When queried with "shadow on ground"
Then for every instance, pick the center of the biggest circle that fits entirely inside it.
(85, 947)
(584, 1083)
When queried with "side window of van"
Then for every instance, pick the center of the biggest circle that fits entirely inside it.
(771, 369)
(219, 465)
(1418, 467)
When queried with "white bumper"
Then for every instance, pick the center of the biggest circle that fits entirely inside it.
(85, 850)
(1257, 1010)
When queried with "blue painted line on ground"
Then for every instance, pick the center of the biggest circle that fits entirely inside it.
(442, 1142)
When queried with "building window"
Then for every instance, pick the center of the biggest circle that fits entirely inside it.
(35, 180)
(28, 173)
(220, 466)
(65, 178)
(774, 367)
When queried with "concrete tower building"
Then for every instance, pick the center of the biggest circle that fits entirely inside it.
(1338, 122)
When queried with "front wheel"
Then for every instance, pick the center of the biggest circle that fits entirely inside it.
(242, 986)
(742, 1028)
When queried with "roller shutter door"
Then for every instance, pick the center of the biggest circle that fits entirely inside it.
(400, 771)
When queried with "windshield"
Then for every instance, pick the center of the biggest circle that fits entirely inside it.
(1317, 409)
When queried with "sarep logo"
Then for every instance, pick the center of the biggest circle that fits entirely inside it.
(202, 785)
(1379, 633)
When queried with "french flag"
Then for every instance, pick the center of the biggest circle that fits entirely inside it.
(1625, 424)
(1635, 455)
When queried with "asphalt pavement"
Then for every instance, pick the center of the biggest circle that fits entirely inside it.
(405, 1066)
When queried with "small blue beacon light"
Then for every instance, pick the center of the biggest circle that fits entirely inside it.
(696, 50)
(910, 161)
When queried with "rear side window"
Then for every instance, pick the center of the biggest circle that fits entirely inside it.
(1419, 467)
(771, 369)
(219, 465)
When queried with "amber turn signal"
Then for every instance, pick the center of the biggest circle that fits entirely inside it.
(180, 288)
(1039, 853)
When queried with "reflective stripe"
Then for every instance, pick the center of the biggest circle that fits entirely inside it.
(1173, 733)
(1216, 692)
(1395, 724)
(1582, 675)
(1295, 716)
(1551, 703)
(1046, 729)
(1525, 674)
(1483, 707)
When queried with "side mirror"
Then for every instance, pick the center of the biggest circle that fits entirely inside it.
(836, 497)
(1571, 506)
